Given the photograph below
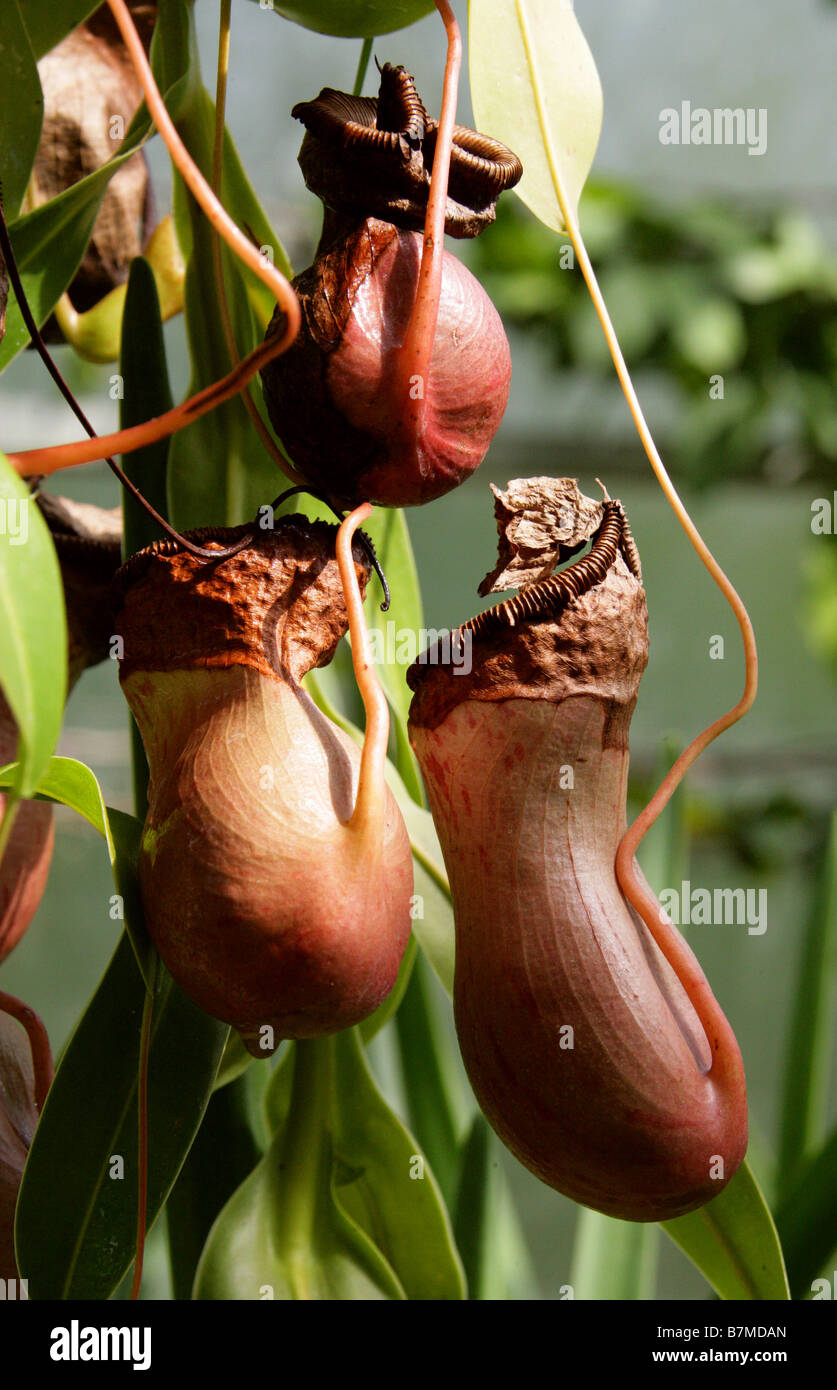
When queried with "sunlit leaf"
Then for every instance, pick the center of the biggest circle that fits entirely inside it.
(33, 652)
(73, 784)
(21, 109)
(352, 19)
(534, 85)
(49, 21)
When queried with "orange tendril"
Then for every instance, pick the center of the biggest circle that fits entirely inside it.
(634, 889)
(368, 812)
(50, 460)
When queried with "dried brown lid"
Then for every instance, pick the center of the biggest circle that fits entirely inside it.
(373, 156)
(582, 631)
(276, 606)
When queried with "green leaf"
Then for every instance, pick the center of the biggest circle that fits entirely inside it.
(76, 1237)
(807, 1219)
(436, 1107)
(807, 1067)
(733, 1242)
(223, 1154)
(21, 110)
(613, 1259)
(488, 1234)
(352, 19)
(145, 379)
(332, 1211)
(534, 86)
(33, 653)
(383, 1182)
(72, 784)
(49, 21)
(235, 476)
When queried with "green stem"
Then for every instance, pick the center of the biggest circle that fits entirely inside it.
(365, 55)
(305, 1155)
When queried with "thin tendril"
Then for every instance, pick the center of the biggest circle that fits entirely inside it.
(54, 371)
(369, 806)
(42, 1068)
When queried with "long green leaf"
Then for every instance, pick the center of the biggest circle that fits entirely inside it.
(487, 1229)
(146, 394)
(225, 1151)
(49, 21)
(733, 1242)
(73, 784)
(76, 1237)
(807, 1220)
(21, 110)
(808, 1057)
(33, 652)
(342, 1206)
(613, 1259)
(436, 1109)
(534, 85)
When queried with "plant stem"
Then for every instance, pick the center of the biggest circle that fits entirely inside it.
(365, 55)
(7, 824)
(304, 1155)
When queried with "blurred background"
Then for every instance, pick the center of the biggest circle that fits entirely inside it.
(715, 264)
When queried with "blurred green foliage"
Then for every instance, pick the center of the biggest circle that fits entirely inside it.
(704, 290)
